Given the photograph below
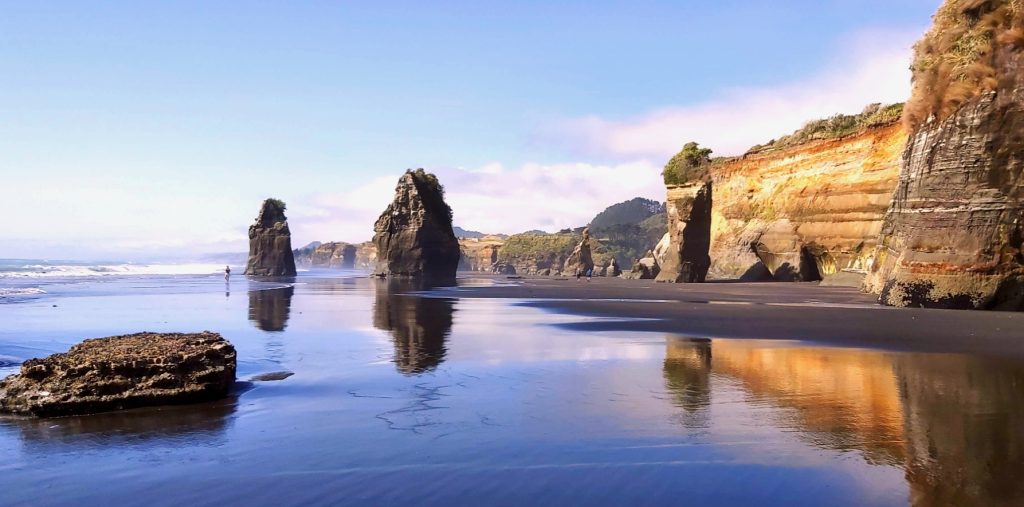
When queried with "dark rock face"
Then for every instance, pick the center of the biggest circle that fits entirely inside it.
(122, 372)
(689, 227)
(413, 236)
(954, 235)
(647, 268)
(270, 242)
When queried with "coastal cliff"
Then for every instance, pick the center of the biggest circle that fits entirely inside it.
(270, 242)
(414, 236)
(809, 205)
(953, 236)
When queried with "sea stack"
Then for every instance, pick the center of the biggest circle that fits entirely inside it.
(270, 242)
(954, 234)
(414, 236)
(686, 260)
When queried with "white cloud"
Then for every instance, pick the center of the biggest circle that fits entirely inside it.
(870, 67)
(492, 199)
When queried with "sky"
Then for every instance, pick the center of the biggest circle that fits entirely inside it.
(146, 130)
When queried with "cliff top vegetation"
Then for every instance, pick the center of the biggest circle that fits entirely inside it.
(431, 190)
(690, 164)
(836, 126)
(957, 59)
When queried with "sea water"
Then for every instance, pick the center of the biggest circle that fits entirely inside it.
(404, 397)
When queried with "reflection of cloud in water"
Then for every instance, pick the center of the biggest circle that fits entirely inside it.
(269, 308)
(419, 326)
(953, 423)
(160, 426)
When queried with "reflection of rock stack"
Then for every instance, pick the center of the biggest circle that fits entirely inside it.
(269, 308)
(687, 373)
(418, 326)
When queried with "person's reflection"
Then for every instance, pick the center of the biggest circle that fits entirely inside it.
(687, 371)
(269, 308)
(418, 325)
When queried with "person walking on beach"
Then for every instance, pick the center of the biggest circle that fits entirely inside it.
(590, 273)
(227, 272)
(578, 274)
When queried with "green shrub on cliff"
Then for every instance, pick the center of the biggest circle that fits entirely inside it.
(688, 165)
(277, 203)
(435, 190)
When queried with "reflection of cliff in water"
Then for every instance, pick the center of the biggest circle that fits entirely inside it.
(687, 376)
(269, 308)
(954, 424)
(418, 325)
(170, 425)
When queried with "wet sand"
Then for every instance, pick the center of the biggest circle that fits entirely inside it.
(778, 311)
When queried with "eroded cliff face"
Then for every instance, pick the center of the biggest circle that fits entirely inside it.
(414, 236)
(804, 211)
(953, 236)
(270, 242)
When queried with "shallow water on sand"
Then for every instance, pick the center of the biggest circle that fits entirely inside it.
(398, 399)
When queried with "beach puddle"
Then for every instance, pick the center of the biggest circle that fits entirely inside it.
(402, 399)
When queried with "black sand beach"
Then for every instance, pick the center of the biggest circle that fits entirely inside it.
(779, 311)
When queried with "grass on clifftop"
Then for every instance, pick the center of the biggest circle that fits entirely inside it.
(957, 59)
(277, 203)
(837, 126)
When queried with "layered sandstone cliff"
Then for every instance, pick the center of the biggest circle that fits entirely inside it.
(270, 242)
(807, 207)
(480, 254)
(686, 258)
(954, 236)
(414, 236)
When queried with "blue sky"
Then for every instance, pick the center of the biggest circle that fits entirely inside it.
(141, 129)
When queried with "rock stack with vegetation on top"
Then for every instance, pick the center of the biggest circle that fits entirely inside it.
(270, 242)
(414, 236)
(689, 216)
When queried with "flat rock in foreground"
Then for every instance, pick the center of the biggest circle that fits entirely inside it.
(122, 372)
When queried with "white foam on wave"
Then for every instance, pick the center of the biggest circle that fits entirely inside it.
(84, 270)
(21, 291)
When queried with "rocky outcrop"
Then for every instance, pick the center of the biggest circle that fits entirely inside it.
(954, 235)
(689, 229)
(335, 255)
(270, 242)
(539, 253)
(808, 208)
(122, 372)
(414, 236)
(613, 269)
(581, 260)
(646, 268)
(480, 254)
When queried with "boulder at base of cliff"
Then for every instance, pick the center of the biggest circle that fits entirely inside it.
(689, 226)
(414, 236)
(122, 372)
(613, 269)
(270, 242)
(644, 269)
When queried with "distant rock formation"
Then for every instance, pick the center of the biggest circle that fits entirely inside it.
(333, 255)
(414, 236)
(122, 372)
(689, 228)
(270, 242)
(480, 254)
(954, 235)
(581, 259)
